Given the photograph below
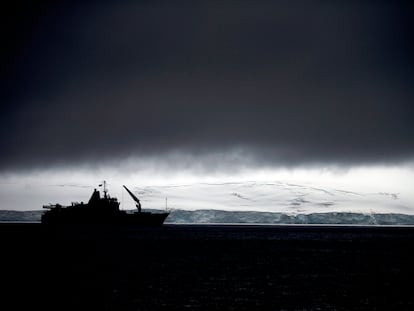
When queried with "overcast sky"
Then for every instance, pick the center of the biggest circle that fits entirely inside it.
(247, 82)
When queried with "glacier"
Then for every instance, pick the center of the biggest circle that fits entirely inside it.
(248, 217)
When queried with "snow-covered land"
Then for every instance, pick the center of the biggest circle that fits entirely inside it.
(274, 197)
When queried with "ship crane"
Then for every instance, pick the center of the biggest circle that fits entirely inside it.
(138, 203)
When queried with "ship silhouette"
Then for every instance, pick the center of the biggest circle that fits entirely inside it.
(101, 210)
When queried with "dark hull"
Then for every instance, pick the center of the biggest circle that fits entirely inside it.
(144, 219)
(120, 218)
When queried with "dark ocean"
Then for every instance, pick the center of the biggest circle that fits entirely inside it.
(207, 267)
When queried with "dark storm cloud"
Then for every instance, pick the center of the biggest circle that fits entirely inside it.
(292, 82)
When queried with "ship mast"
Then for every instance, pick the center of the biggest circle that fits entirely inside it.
(104, 189)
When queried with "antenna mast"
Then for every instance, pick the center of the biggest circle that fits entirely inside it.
(104, 188)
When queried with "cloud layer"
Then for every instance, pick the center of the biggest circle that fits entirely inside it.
(287, 83)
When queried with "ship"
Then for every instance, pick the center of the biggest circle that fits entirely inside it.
(101, 210)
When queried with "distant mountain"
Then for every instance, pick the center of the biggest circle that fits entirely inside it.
(249, 217)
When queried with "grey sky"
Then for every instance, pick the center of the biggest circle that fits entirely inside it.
(289, 82)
